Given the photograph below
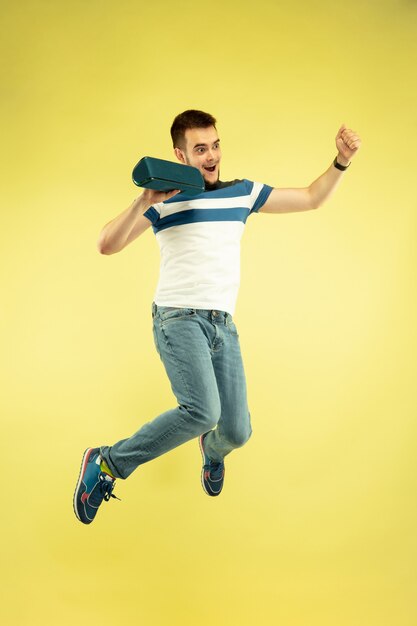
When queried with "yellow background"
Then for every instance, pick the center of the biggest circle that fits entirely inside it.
(317, 522)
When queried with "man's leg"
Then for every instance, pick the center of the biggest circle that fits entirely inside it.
(234, 427)
(184, 347)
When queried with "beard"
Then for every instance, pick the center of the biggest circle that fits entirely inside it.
(208, 185)
(211, 186)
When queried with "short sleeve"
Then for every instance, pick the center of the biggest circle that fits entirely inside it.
(259, 195)
(152, 214)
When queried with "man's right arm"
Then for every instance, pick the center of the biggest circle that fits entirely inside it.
(127, 226)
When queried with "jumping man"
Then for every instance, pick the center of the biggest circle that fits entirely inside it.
(194, 332)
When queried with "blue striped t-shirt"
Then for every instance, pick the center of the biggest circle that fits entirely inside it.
(199, 239)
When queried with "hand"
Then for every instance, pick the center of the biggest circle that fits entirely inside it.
(348, 143)
(152, 196)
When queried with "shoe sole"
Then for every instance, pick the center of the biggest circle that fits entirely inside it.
(84, 462)
(200, 441)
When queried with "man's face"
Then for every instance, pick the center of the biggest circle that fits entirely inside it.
(202, 150)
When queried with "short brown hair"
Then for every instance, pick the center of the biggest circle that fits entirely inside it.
(189, 119)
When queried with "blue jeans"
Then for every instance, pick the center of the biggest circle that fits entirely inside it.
(201, 354)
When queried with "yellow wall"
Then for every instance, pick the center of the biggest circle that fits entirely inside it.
(317, 522)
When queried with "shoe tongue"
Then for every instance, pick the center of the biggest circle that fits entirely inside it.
(216, 470)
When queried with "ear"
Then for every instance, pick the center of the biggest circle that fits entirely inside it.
(180, 155)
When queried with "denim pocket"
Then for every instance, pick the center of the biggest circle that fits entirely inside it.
(168, 314)
(155, 338)
(232, 326)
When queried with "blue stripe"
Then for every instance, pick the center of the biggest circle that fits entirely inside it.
(238, 214)
(152, 214)
(262, 198)
(241, 188)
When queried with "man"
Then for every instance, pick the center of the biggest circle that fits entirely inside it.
(194, 333)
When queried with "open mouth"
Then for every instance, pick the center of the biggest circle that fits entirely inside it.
(209, 169)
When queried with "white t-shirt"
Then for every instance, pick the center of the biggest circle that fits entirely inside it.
(199, 239)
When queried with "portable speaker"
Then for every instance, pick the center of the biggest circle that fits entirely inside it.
(166, 176)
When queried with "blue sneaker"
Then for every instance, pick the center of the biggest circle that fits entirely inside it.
(212, 475)
(92, 488)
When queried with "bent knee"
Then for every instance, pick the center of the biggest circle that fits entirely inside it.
(205, 418)
(239, 437)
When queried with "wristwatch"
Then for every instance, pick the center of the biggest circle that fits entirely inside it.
(340, 167)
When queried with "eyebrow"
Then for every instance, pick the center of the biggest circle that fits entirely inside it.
(204, 145)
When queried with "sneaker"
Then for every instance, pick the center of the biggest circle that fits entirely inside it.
(92, 488)
(212, 475)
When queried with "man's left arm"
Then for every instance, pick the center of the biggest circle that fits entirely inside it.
(308, 198)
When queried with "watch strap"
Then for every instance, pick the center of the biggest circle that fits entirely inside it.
(339, 166)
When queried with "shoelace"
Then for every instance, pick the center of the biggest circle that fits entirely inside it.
(215, 470)
(107, 487)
